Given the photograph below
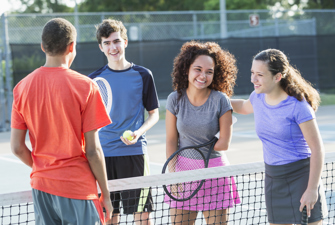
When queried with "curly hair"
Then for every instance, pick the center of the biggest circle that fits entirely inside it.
(57, 34)
(109, 26)
(292, 82)
(225, 69)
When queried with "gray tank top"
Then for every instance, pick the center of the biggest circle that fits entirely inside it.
(198, 124)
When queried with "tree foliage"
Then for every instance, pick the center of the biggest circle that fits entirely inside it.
(185, 5)
(237, 4)
(168, 5)
(140, 5)
(43, 6)
(319, 4)
(308, 4)
(52, 6)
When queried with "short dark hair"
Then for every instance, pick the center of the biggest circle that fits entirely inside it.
(108, 26)
(57, 34)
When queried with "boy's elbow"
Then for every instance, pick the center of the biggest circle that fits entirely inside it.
(17, 149)
(92, 154)
(156, 116)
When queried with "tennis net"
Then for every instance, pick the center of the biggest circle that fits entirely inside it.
(17, 208)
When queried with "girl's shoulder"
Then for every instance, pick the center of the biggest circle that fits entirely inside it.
(219, 95)
(173, 95)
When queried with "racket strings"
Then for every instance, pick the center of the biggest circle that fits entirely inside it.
(185, 160)
(103, 92)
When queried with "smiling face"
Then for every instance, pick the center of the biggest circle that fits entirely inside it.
(262, 78)
(114, 48)
(201, 72)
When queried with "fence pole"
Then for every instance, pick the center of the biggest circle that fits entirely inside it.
(8, 89)
(140, 39)
(76, 22)
(315, 54)
(276, 24)
(2, 97)
(223, 19)
(195, 32)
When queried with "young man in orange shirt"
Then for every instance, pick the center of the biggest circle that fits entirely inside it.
(62, 110)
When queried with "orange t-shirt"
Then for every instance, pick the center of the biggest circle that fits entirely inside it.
(57, 106)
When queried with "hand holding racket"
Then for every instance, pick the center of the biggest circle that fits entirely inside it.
(304, 217)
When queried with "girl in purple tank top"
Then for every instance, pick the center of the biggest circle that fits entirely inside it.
(283, 104)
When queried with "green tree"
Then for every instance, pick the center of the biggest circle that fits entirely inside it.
(265, 4)
(309, 4)
(43, 6)
(139, 5)
(169, 5)
(236, 4)
(320, 4)
(52, 6)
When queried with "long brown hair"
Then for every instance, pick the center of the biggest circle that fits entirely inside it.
(225, 69)
(292, 82)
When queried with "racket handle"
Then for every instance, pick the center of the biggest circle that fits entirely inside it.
(304, 217)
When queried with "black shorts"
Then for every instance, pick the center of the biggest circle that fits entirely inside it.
(137, 200)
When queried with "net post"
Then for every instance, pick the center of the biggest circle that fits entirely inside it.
(8, 86)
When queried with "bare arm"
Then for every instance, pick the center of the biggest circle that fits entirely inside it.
(19, 147)
(226, 127)
(149, 122)
(242, 106)
(96, 160)
(171, 133)
(312, 135)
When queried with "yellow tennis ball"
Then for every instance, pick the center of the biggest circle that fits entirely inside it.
(127, 135)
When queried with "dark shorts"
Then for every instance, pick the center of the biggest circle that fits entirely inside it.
(137, 200)
(284, 187)
(53, 210)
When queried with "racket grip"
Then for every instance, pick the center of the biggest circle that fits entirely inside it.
(304, 217)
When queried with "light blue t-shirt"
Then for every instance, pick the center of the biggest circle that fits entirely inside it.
(133, 91)
(278, 128)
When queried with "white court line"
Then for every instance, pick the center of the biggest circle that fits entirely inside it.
(11, 160)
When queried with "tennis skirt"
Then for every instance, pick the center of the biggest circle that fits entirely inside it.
(215, 194)
(284, 187)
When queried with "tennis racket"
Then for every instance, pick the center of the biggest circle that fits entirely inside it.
(304, 217)
(187, 158)
(105, 92)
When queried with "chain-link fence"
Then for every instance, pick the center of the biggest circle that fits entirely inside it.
(154, 27)
(26, 28)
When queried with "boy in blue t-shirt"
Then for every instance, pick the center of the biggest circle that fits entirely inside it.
(133, 90)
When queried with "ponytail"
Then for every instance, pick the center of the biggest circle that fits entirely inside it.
(295, 85)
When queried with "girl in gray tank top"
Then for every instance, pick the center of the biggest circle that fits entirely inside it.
(203, 79)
